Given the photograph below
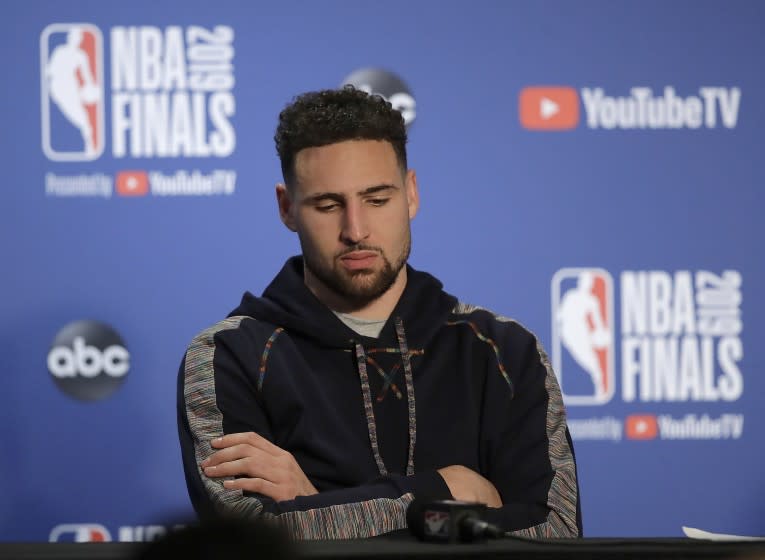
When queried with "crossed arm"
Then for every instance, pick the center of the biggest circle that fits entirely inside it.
(262, 467)
(531, 462)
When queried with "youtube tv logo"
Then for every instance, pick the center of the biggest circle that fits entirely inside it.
(641, 426)
(132, 183)
(548, 108)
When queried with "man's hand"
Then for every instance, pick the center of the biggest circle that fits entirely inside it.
(469, 486)
(264, 467)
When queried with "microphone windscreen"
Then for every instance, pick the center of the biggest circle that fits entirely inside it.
(414, 517)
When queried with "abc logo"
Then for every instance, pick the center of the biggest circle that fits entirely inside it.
(88, 360)
(387, 85)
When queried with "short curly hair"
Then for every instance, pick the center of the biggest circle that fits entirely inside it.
(319, 118)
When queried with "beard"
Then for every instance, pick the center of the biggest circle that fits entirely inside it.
(357, 287)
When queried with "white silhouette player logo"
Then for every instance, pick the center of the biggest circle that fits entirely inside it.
(582, 326)
(69, 82)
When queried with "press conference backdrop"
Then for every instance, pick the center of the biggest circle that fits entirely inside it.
(591, 169)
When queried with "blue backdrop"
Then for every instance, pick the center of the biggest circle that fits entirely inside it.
(555, 142)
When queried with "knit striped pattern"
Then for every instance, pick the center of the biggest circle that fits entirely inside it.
(388, 380)
(349, 521)
(369, 412)
(562, 496)
(205, 418)
(391, 375)
(361, 364)
(405, 357)
(490, 342)
(264, 357)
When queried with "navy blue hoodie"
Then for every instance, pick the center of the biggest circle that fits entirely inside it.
(369, 420)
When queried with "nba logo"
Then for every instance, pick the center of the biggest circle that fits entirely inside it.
(583, 335)
(437, 524)
(79, 532)
(72, 91)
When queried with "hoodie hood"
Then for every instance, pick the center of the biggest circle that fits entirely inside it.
(287, 302)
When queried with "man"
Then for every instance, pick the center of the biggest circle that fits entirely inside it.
(355, 383)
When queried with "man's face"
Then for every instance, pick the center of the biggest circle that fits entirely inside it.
(351, 206)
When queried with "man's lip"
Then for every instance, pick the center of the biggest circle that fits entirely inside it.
(359, 255)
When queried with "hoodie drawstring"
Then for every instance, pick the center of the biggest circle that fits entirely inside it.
(361, 360)
(409, 394)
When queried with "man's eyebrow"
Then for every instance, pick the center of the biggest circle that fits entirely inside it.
(320, 197)
(378, 188)
(337, 197)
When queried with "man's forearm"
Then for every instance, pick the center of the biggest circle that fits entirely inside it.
(363, 511)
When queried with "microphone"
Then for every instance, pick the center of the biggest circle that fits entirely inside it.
(450, 521)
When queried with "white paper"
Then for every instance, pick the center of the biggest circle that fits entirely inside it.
(699, 534)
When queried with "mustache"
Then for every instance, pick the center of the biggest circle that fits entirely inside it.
(359, 247)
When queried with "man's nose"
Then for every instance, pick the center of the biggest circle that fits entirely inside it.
(355, 227)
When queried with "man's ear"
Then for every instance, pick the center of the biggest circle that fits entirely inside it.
(412, 193)
(285, 202)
